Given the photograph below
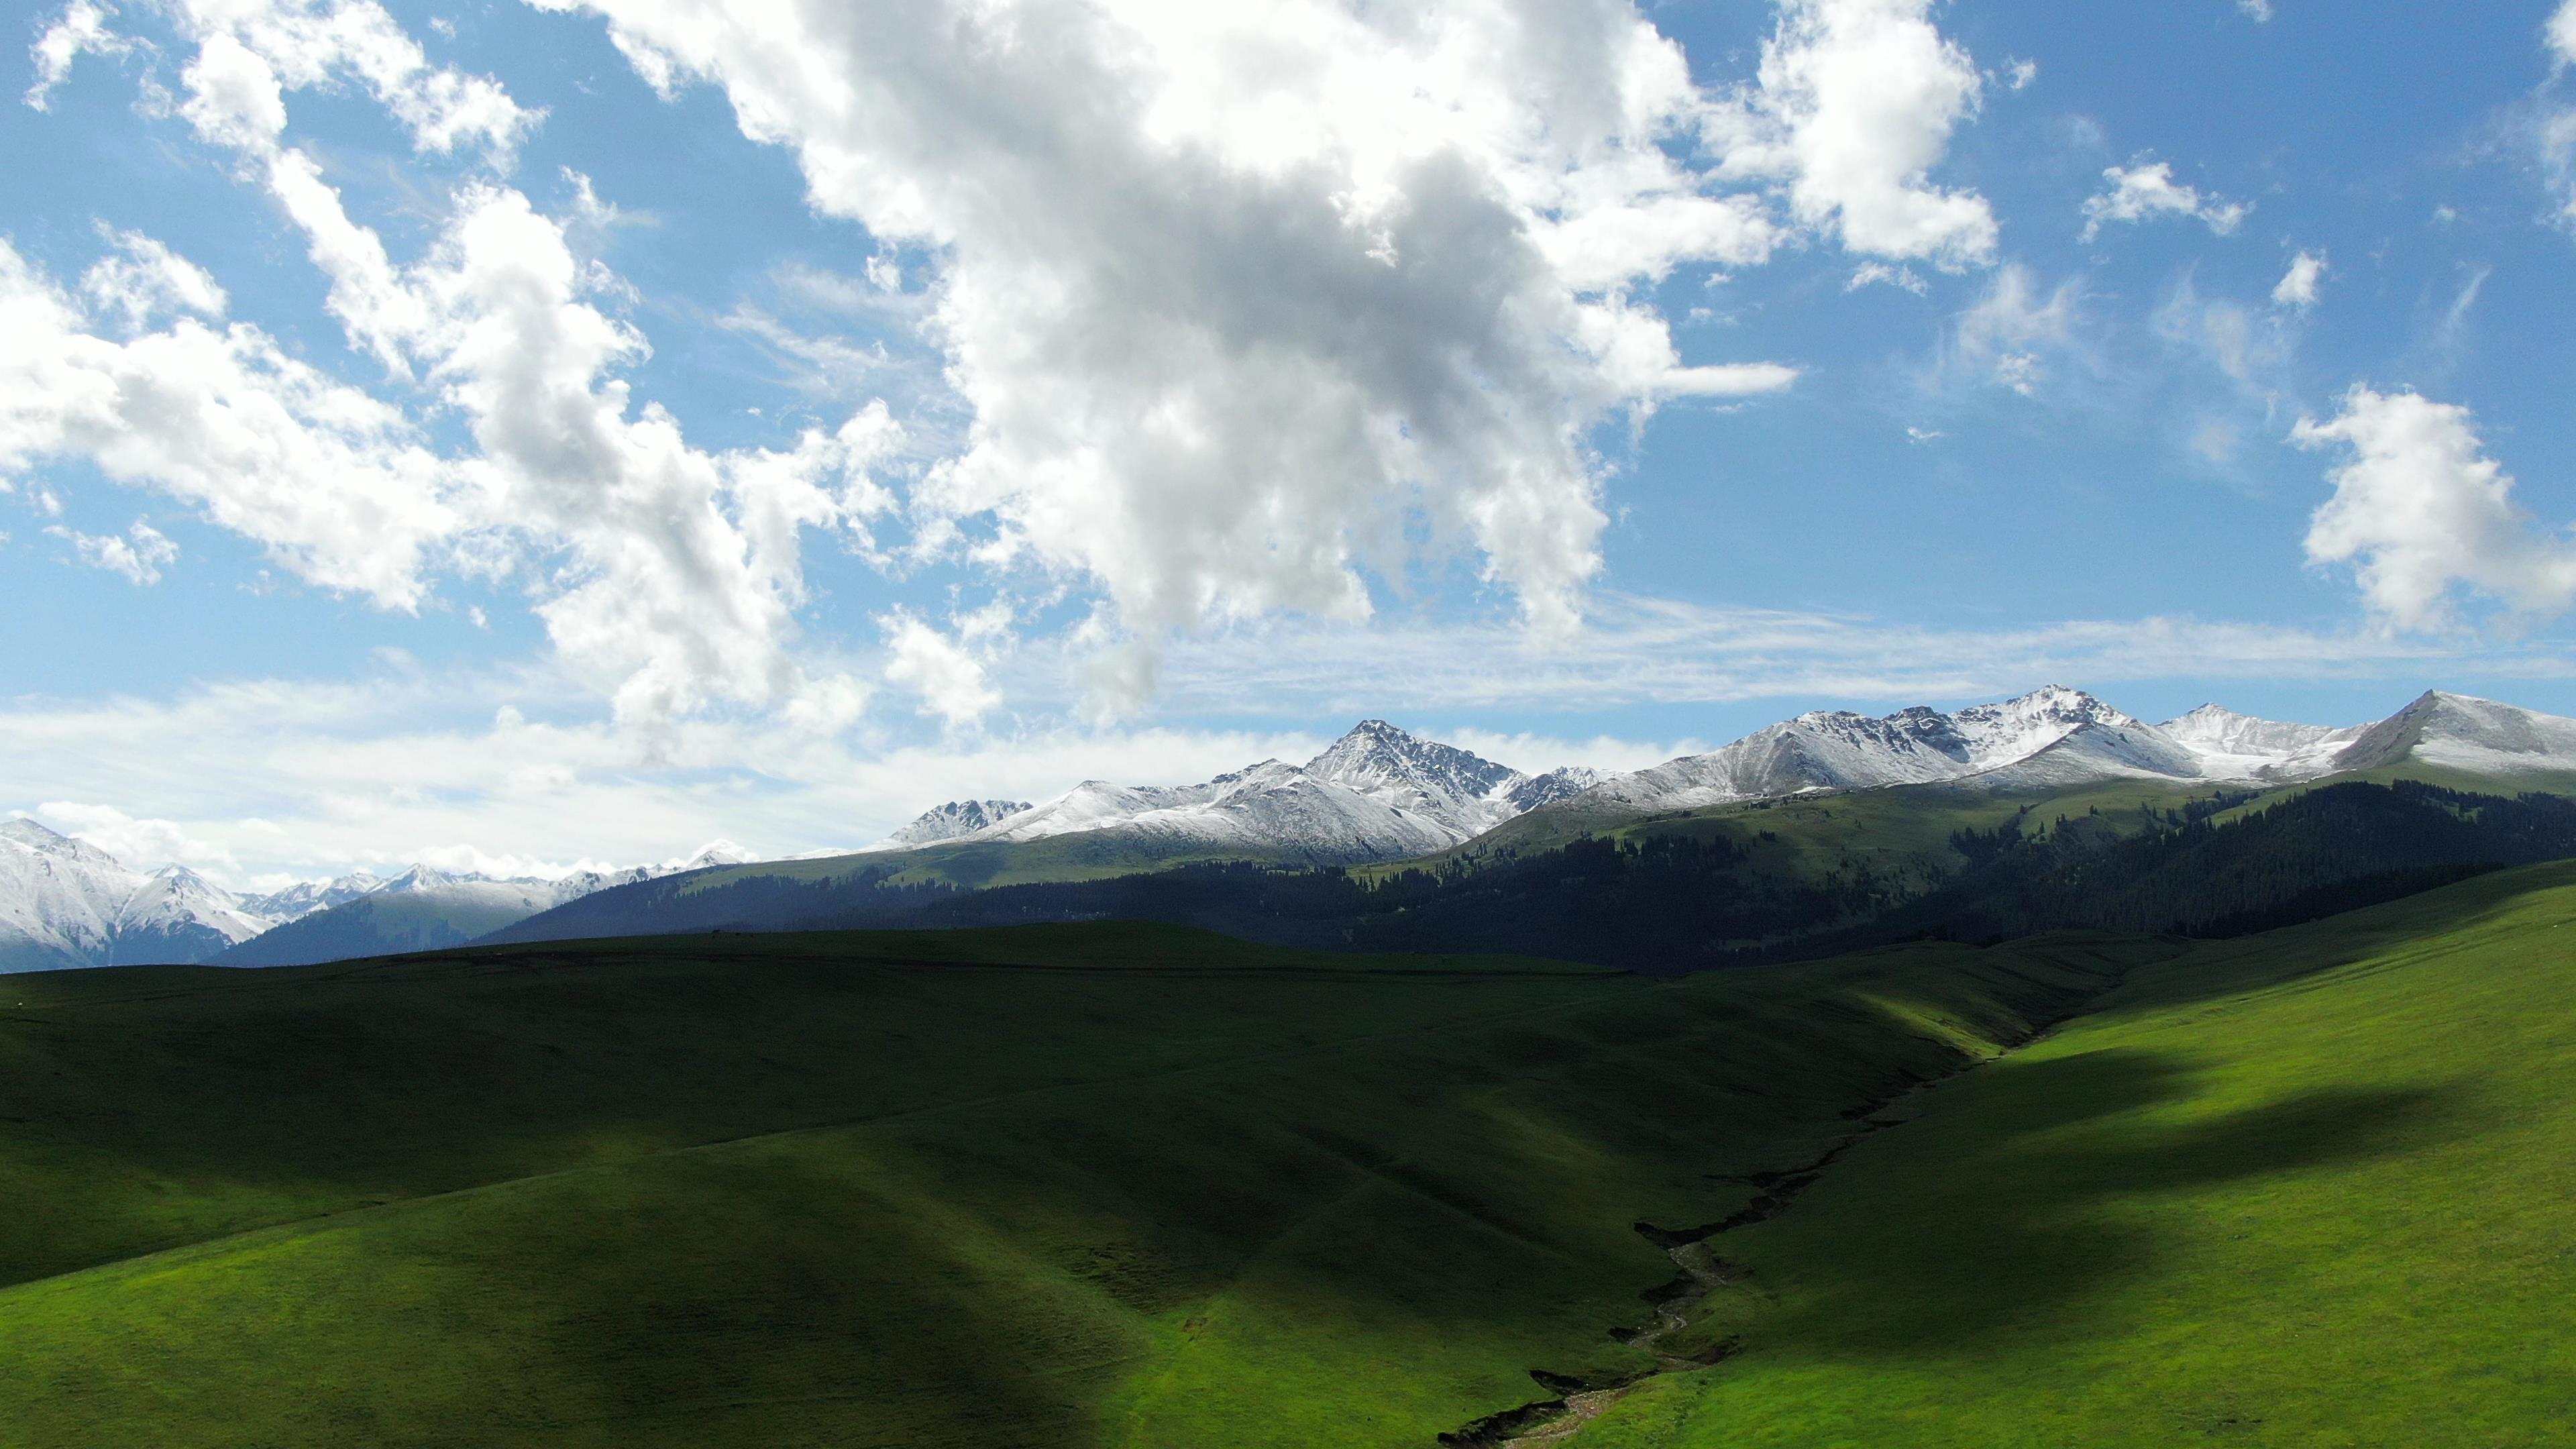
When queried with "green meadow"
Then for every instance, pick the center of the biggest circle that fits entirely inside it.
(1114, 1185)
(1062, 1185)
(2311, 1188)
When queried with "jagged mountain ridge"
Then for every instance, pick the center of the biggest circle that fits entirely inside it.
(1382, 793)
(1377, 793)
(66, 903)
(948, 822)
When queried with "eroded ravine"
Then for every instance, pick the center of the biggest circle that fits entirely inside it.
(1575, 1403)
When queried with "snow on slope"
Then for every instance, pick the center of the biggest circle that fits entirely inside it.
(1377, 793)
(2240, 746)
(2462, 732)
(65, 902)
(947, 822)
(2052, 737)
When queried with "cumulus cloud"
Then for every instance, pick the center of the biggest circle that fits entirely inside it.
(1238, 295)
(141, 843)
(2420, 510)
(2562, 34)
(1856, 103)
(335, 485)
(948, 679)
(248, 53)
(138, 557)
(666, 575)
(2138, 193)
(2299, 286)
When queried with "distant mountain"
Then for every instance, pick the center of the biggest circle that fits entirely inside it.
(1378, 793)
(307, 896)
(2465, 735)
(424, 909)
(65, 902)
(419, 910)
(948, 822)
(2050, 738)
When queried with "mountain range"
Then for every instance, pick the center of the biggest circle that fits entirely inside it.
(1377, 795)
(65, 902)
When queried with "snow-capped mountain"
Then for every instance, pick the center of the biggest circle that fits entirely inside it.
(2464, 733)
(947, 822)
(582, 882)
(307, 896)
(65, 902)
(1839, 750)
(1378, 793)
(2058, 737)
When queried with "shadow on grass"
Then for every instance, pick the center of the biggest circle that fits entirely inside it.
(2076, 1191)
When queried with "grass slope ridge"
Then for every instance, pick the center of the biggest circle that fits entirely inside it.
(2309, 1188)
(1759, 884)
(1107, 1185)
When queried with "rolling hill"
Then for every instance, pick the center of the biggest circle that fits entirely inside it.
(1127, 1185)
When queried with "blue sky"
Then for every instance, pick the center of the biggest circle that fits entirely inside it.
(515, 435)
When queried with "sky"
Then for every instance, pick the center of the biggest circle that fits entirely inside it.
(519, 436)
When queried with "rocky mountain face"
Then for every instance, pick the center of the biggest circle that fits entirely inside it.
(65, 902)
(1378, 793)
(1382, 793)
(949, 822)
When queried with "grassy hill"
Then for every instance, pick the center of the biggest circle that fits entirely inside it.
(1098, 1185)
(1136, 1186)
(2311, 1188)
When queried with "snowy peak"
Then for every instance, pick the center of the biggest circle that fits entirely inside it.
(1562, 783)
(2049, 737)
(29, 836)
(1378, 792)
(715, 853)
(2014, 729)
(1376, 758)
(949, 821)
(2463, 732)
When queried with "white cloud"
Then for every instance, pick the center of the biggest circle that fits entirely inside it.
(80, 30)
(2019, 75)
(1856, 103)
(2298, 286)
(2260, 10)
(141, 844)
(667, 576)
(147, 279)
(251, 50)
(949, 680)
(138, 557)
(2419, 510)
(2137, 193)
(2562, 34)
(2005, 337)
(1239, 295)
(1876, 274)
(335, 485)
